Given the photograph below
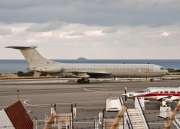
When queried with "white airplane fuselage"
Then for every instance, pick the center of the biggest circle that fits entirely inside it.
(106, 70)
(156, 93)
(84, 71)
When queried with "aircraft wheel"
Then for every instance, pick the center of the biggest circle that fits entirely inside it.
(82, 81)
(152, 80)
(79, 81)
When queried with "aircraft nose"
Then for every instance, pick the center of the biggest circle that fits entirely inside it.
(125, 95)
(166, 72)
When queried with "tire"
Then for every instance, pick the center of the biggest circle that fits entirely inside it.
(78, 81)
(152, 80)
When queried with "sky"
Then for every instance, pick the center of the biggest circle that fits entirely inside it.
(93, 29)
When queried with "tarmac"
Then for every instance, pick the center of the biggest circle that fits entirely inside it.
(38, 95)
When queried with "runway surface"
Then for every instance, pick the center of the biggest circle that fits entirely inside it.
(37, 95)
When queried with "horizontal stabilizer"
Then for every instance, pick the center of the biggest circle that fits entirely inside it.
(21, 47)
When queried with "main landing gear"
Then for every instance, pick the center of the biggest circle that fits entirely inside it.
(151, 80)
(83, 80)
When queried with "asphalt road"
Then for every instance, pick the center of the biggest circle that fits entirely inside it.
(37, 95)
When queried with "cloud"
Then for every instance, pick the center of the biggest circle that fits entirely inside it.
(95, 42)
(44, 34)
(110, 30)
(5, 31)
(94, 12)
(76, 33)
(70, 35)
(165, 34)
(92, 29)
(43, 27)
(94, 33)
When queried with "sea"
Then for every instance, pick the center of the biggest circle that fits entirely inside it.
(13, 66)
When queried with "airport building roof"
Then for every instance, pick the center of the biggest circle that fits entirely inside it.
(5, 122)
(18, 116)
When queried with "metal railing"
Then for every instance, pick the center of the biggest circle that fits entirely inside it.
(127, 119)
(176, 122)
(141, 112)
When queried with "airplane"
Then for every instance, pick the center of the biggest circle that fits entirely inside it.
(85, 71)
(163, 94)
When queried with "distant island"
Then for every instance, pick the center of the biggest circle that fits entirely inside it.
(81, 58)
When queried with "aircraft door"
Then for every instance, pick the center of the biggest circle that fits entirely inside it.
(150, 68)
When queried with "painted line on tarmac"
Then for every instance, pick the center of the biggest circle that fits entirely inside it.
(90, 102)
(19, 99)
(81, 102)
(48, 105)
(27, 104)
(2, 107)
(28, 112)
(88, 90)
(98, 89)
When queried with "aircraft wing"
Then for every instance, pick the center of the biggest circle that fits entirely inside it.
(161, 97)
(88, 74)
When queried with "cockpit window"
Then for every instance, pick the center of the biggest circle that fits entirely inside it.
(162, 68)
(139, 91)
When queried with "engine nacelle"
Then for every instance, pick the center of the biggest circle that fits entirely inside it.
(49, 69)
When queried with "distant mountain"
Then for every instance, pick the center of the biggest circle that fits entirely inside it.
(81, 58)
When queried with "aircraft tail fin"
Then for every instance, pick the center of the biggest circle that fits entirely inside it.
(32, 56)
